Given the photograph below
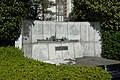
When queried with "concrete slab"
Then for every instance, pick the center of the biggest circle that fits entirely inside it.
(95, 61)
(57, 62)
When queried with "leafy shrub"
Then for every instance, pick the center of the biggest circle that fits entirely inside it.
(111, 44)
(12, 14)
(14, 66)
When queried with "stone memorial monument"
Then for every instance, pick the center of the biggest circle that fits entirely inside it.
(47, 40)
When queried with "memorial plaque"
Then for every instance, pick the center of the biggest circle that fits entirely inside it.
(60, 48)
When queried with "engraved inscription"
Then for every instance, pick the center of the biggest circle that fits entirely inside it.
(60, 48)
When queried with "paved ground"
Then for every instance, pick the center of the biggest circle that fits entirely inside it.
(95, 61)
(112, 66)
(85, 61)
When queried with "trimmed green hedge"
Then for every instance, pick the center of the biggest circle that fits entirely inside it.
(14, 66)
(111, 44)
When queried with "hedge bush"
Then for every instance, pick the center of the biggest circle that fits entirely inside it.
(111, 44)
(14, 66)
(12, 14)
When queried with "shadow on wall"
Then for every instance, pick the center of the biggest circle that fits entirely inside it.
(96, 26)
(26, 27)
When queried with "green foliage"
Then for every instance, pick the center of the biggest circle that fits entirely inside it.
(107, 12)
(12, 13)
(111, 44)
(39, 10)
(14, 66)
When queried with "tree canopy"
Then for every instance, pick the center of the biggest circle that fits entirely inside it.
(13, 13)
(39, 10)
(105, 11)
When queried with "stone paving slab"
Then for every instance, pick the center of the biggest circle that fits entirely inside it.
(95, 61)
(85, 61)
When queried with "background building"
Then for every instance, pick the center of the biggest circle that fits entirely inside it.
(61, 10)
